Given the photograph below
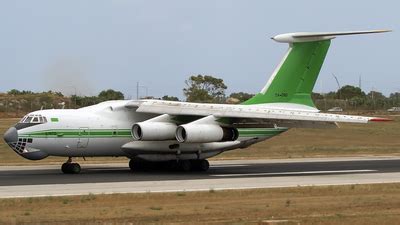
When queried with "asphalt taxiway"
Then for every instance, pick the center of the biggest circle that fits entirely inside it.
(35, 181)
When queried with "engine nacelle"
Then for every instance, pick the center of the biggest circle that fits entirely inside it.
(153, 131)
(196, 133)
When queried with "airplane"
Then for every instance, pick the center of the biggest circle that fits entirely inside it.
(183, 135)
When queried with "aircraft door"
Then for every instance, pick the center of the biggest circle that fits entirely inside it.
(83, 137)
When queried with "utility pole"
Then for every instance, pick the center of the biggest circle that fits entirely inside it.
(373, 100)
(137, 90)
(74, 94)
(337, 82)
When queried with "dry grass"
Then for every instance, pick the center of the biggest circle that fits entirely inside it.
(352, 204)
(349, 140)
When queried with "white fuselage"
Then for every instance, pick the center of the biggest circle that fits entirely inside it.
(105, 130)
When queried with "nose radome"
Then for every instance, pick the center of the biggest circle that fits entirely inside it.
(11, 135)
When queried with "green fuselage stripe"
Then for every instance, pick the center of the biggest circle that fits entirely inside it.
(107, 133)
(84, 133)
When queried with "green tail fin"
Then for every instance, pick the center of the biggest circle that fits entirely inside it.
(295, 77)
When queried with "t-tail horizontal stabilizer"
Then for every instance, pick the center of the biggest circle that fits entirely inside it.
(318, 36)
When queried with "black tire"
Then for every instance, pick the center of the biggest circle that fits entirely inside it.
(64, 168)
(200, 165)
(203, 165)
(173, 165)
(132, 165)
(138, 165)
(71, 168)
(75, 168)
(185, 165)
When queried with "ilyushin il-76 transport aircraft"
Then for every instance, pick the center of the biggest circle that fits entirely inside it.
(183, 135)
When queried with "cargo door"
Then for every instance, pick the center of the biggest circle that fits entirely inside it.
(83, 137)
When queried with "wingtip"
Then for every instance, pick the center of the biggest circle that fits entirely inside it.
(378, 119)
(383, 31)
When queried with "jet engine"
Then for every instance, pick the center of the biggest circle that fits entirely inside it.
(153, 131)
(196, 133)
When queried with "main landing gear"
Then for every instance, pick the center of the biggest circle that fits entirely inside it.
(181, 165)
(70, 168)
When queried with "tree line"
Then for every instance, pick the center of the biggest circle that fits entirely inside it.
(17, 102)
(209, 89)
(198, 88)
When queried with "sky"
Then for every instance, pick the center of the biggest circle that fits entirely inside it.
(84, 47)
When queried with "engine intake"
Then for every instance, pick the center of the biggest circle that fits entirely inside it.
(153, 131)
(196, 133)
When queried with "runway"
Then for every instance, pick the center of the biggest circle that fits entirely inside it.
(36, 181)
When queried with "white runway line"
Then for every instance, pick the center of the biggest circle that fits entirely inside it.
(223, 183)
(227, 165)
(212, 162)
(293, 173)
(108, 169)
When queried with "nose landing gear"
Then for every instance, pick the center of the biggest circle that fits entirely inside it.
(70, 168)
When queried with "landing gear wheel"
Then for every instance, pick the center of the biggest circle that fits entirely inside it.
(139, 165)
(75, 168)
(64, 167)
(203, 165)
(71, 168)
(172, 165)
(185, 165)
(132, 165)
(200, 165)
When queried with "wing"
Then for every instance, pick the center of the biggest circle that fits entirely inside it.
(288, 115)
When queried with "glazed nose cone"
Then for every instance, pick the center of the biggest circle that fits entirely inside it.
(11, 135)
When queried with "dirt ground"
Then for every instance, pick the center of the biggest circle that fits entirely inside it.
(352, 204)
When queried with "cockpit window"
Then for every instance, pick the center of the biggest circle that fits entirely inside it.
(27, 119)
(30, 120)
(33, 119)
